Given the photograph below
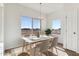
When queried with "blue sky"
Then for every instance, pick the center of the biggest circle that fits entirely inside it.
(26, 22)
(36, 23)
(56, 24)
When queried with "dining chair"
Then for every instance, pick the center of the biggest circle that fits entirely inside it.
(42, 46)
(54, 44)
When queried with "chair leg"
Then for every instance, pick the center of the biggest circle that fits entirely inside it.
(47, 54)
(26, 48)
(34, 51)
(56, 50)
(52, 49)
(13, 52)
(41, 54)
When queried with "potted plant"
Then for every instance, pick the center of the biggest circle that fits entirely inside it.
(48, 32)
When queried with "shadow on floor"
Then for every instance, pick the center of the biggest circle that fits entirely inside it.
(48, 53)
(23, 54)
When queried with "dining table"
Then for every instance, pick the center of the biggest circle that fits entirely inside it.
(32, 40)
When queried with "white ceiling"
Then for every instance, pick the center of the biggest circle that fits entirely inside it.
(45, 7)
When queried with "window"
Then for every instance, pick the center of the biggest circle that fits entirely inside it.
(29, 25)
(36, 23)
(26, 22)
(56, 24)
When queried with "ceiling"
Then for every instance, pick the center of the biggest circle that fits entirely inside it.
(45, 7)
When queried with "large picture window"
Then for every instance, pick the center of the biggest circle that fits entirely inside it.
(29, 25)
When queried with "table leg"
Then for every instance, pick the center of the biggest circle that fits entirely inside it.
(23, 46)
(30, 50)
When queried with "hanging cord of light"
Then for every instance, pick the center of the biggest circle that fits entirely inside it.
(40, 18)
(46, 8)
(40, 10)
(46, 5)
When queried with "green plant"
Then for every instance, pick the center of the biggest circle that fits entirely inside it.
(47, 32)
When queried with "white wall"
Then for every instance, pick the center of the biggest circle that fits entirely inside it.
(12, 23)
(12, 37)
(78, 29)
(0, 23)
